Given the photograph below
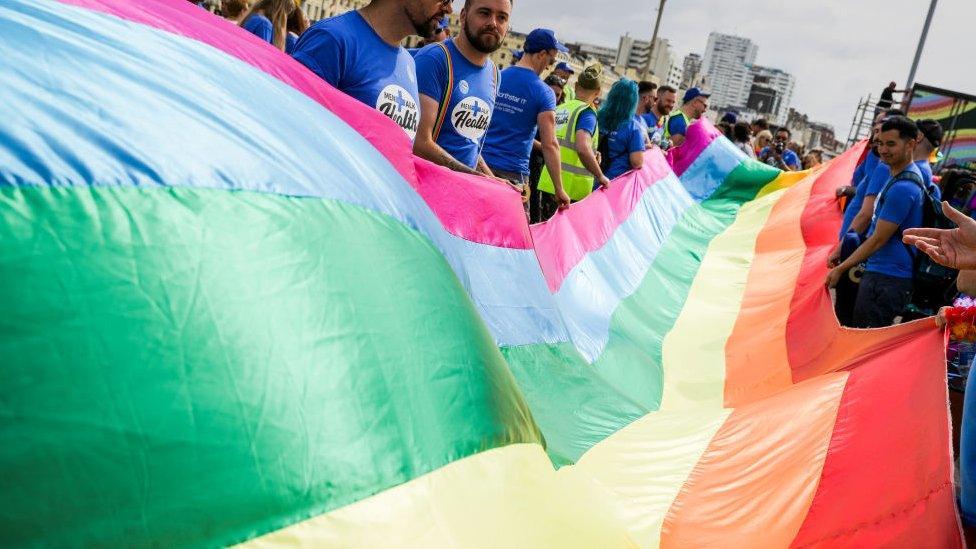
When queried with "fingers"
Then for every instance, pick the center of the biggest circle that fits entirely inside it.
(925, 232)
(956, 216)
(934, 252)
(914, 240)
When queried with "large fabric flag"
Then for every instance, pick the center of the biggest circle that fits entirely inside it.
(236, 309)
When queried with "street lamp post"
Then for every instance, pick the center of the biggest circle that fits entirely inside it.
(650, 51)
(921, 45)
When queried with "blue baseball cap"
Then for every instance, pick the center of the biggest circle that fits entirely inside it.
(542, 40)
(564, 66)
(692, 93)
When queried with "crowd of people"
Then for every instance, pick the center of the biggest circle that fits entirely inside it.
(528, 128)
(555, 143)
(525, 126)
(878, 279)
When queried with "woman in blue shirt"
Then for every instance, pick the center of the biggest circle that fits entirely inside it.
(621, 129)
(268, 20)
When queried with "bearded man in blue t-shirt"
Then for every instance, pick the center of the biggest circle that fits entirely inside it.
(458, 84)
(886, 287)
(359, 53)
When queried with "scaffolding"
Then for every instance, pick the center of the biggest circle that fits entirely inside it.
(862, 121)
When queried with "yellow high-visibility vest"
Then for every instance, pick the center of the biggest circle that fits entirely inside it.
(667, 123)
(577, 180)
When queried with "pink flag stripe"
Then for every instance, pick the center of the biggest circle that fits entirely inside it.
(699, 137)
(589, 224)
(447, 193)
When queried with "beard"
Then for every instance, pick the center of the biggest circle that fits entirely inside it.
(485, 42)
(425, 28)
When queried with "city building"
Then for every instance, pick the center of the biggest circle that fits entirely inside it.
(633, 54)
(691, 71)
(726, 67)
(323, 9)
(603, 54)
(770, 92)
(813, 135)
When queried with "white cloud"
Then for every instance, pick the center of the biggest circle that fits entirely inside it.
(838, 50)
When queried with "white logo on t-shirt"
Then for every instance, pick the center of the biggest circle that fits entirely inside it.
(471, 117)
(396, 103)
(463, 86)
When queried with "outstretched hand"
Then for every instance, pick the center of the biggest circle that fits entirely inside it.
(953, 248)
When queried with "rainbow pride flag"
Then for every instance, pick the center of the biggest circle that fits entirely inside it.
(238, 310)
(958, 118)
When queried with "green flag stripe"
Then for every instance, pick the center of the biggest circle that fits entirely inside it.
(187, 365)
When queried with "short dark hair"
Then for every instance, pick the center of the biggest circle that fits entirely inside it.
(742, 132)
(894, 112)
(905, 127)
(761, 123)
(467, 2)
(644, 86)
(666, 89)
(784, 129)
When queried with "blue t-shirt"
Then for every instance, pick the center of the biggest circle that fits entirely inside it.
(290, 42)
(347, 53)
(626, 139)
(643, 126)
(260, 26)
(790, 158)
(677, 125)
(870, 163)
(876, 181)
(650, 119)
(900, 203)
(862, 182)
(926, 169)
(522, 97)
(587, 121)
(472, 99)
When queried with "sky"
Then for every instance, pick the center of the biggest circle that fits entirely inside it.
(838, 50)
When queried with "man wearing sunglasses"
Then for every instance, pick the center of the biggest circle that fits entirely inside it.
(359, 53)
(695, 104)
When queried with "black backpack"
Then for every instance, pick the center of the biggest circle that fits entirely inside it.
(603, 147)
(928, 276)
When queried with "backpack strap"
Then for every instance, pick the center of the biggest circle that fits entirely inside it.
(498, 78)
(903, 176)
(448, 92)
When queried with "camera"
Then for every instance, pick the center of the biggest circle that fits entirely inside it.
(780, 147)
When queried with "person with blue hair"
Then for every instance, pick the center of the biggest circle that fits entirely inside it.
(623, 132)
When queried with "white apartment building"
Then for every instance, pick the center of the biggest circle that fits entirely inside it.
(726, 67)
